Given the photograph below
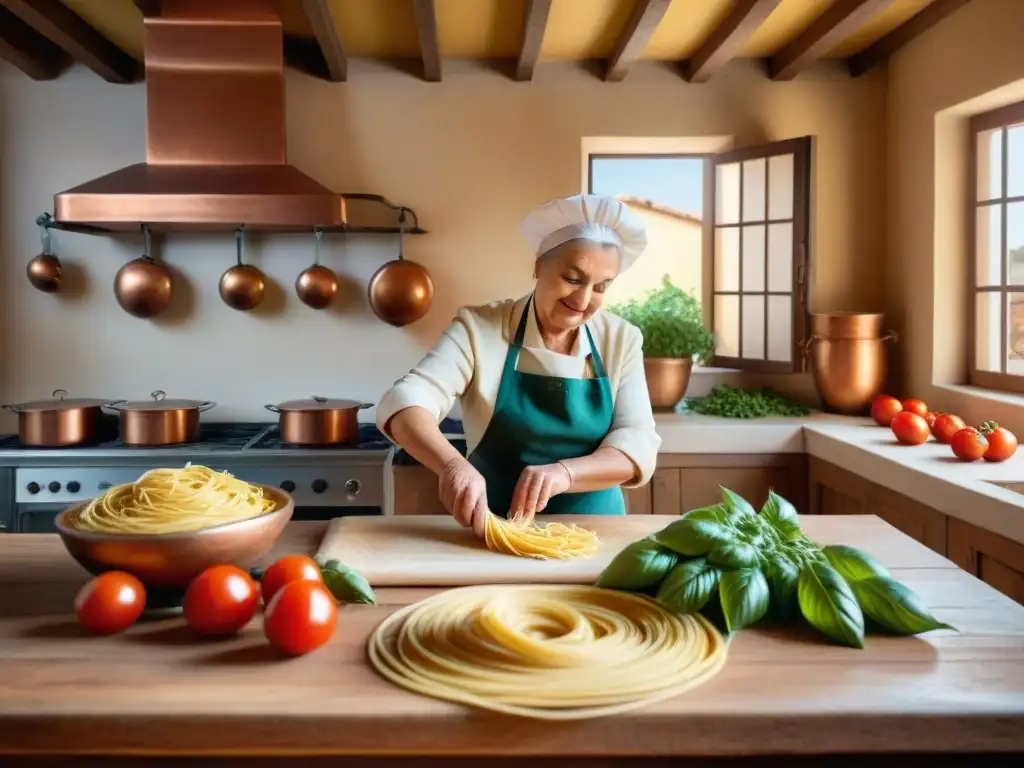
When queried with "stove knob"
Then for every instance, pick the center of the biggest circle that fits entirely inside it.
(353, 486)
(54, 487)
(32, 487)
(287, 486)
(319, 486)
(74, 486)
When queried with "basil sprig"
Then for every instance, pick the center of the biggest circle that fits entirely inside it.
(739, 566)
(346, 584)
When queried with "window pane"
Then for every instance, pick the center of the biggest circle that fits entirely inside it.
(1015, 164)
(1015, 333)
(1015, 243)
(780, 187)
(780, 257)
(988, 241)
(727, 326)
(990, 164)
(780, 328)
(727, 259)
(753, 327)
(727, 194)
(753, 257)
(753, 190)
(987, 337)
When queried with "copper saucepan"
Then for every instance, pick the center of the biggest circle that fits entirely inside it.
(144, 286)
(401, 291)
(161, 421)
(242, 286)
(319, 421)
(60, 423)
(44, 271)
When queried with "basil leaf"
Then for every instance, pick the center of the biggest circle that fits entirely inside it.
(716, 513)
(829, 605)
(853, 564)
(692, 536)
(782, 583)
(638, 566)
(895, 606)
(736, 506)
(745, 597)
(346, 584)
(782, 516)
(733, 554)
(689, 586)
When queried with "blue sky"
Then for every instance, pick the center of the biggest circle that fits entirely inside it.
(676, 182)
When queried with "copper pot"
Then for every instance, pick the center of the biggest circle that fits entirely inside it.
(848, 359)
(44, 271)
(401, 291)
(60, 423)
(242, 286)
(319, 421)
(667, 380)
(160, 421)
(317, 285)
(144, 286)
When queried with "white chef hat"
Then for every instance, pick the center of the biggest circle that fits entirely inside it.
(597, 218)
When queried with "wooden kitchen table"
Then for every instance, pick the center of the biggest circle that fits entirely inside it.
(158, 690)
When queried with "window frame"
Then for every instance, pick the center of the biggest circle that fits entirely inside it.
(1003, 117)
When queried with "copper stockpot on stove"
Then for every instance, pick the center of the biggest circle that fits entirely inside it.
(60, 423)
(161, 421)
(319, 421)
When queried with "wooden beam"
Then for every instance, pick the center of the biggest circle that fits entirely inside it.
(727, 39)
(319, 15)
(839, 21)
(640, 26)
(880, 50)
(426, 29)
(29, 51)
(536, 21)
(69, 31)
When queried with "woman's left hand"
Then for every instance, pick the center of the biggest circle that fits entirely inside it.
(537, 484)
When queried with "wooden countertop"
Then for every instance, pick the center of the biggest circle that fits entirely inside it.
(157, 689)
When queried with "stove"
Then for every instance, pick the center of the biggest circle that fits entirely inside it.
(38, 483)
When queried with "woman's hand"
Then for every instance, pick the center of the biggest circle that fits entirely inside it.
(463, 492)
(535, 488)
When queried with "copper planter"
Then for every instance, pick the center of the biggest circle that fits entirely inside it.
(667, 380)
(319, 421)
(848, 359)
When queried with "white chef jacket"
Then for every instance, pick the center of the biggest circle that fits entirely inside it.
(468, 360)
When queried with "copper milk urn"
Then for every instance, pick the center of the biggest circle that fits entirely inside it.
(848, 359)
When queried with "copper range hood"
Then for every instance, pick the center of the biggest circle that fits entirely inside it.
(215, 132)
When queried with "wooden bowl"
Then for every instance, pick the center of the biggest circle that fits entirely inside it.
(172, 560)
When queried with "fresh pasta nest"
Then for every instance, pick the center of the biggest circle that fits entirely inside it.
(166, 501)
(546, 652)
(553, 541)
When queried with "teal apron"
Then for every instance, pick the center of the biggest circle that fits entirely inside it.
(541, 420)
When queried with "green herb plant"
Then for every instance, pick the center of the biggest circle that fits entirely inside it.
(739, 403)
(738, 566)
(671, 322)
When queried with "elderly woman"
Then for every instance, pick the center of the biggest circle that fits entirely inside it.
(554, 400)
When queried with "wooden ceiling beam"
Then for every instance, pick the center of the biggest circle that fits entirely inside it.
(643, 20)
(839, 21)
(426, 29)
(29, 51)
(318, 13)
(534, 24)
(727, 39)
(880, 50)
(70, 32)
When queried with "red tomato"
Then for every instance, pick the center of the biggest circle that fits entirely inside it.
(110, 603)
(931, 417)
(920, 407)
(909, 428)
(300, 618)
(289, 568)
(969, 444)
(883, 408)
(1002, 443)
(947, 425)
(221, 600)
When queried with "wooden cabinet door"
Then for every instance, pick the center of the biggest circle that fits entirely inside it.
(703, 487)
(834, 491)
(416, 492)
(690, 481)
(666, 497)
(638, 500)
(996, 560)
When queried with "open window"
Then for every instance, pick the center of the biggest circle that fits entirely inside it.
(757, 234)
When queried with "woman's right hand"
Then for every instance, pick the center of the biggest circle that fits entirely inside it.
(463, 492)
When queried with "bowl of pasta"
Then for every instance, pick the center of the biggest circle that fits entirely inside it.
(171, 524)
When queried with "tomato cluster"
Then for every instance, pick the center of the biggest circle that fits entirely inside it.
(299, 612)
(912, 424)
